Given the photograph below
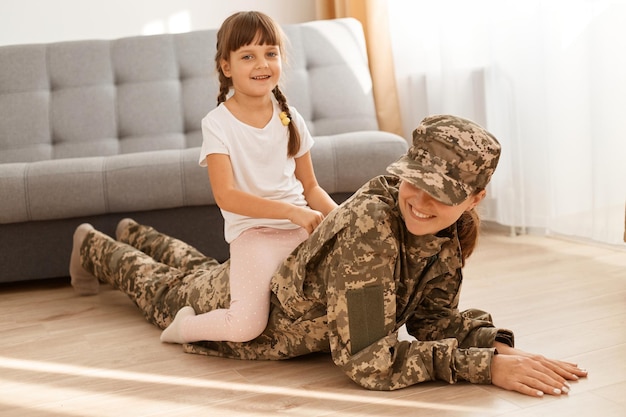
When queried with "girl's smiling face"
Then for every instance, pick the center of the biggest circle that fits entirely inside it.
(424, 215)
(255, 69)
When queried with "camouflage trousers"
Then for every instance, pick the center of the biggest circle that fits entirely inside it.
(159, 273)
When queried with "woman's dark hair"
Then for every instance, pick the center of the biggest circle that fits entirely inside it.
(467, 230)
(468, 227)
(241, 29)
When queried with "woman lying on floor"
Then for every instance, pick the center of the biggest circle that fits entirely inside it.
(390, 255)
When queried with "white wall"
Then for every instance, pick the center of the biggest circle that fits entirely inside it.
(36, 21)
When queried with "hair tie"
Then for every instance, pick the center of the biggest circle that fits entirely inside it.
(284, 119)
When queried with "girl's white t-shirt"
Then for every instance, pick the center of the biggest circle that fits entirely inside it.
(259, 160)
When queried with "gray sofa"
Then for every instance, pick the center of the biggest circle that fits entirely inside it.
(97, 130)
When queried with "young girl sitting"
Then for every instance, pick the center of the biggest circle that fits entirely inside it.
(256, 148)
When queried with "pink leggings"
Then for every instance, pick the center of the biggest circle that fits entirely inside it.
(254, 257)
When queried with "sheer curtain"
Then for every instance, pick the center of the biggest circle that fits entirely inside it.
(548, 78)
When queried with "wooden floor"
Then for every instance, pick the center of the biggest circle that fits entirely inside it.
(64, 355)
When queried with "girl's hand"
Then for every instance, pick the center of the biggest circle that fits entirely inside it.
(306, 218)
(531, 374)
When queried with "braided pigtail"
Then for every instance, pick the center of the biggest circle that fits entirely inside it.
(225, 85)
(294, 136)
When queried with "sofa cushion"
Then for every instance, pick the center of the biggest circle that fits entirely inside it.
(77, 187)
(24, 100)
(65, 188)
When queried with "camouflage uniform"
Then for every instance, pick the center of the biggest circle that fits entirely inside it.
(346, 290)
(352, 284)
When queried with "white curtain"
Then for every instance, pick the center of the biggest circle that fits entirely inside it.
(548, 78)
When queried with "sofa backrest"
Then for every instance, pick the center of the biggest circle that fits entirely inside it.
(146, 93)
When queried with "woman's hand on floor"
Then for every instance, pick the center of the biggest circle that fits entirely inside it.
(532, 374)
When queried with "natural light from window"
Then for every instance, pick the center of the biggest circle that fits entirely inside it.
(58, 394)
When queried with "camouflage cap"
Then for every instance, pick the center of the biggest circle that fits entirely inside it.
(450, 159)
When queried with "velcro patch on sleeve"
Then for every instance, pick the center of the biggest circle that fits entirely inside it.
(366, 316)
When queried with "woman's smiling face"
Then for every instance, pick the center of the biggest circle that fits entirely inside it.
(423, 215)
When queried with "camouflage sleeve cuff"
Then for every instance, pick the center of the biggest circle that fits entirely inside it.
(474, 364)
(505, 336)
(486, 336)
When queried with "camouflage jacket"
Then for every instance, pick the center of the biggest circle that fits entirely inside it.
(355, 281)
